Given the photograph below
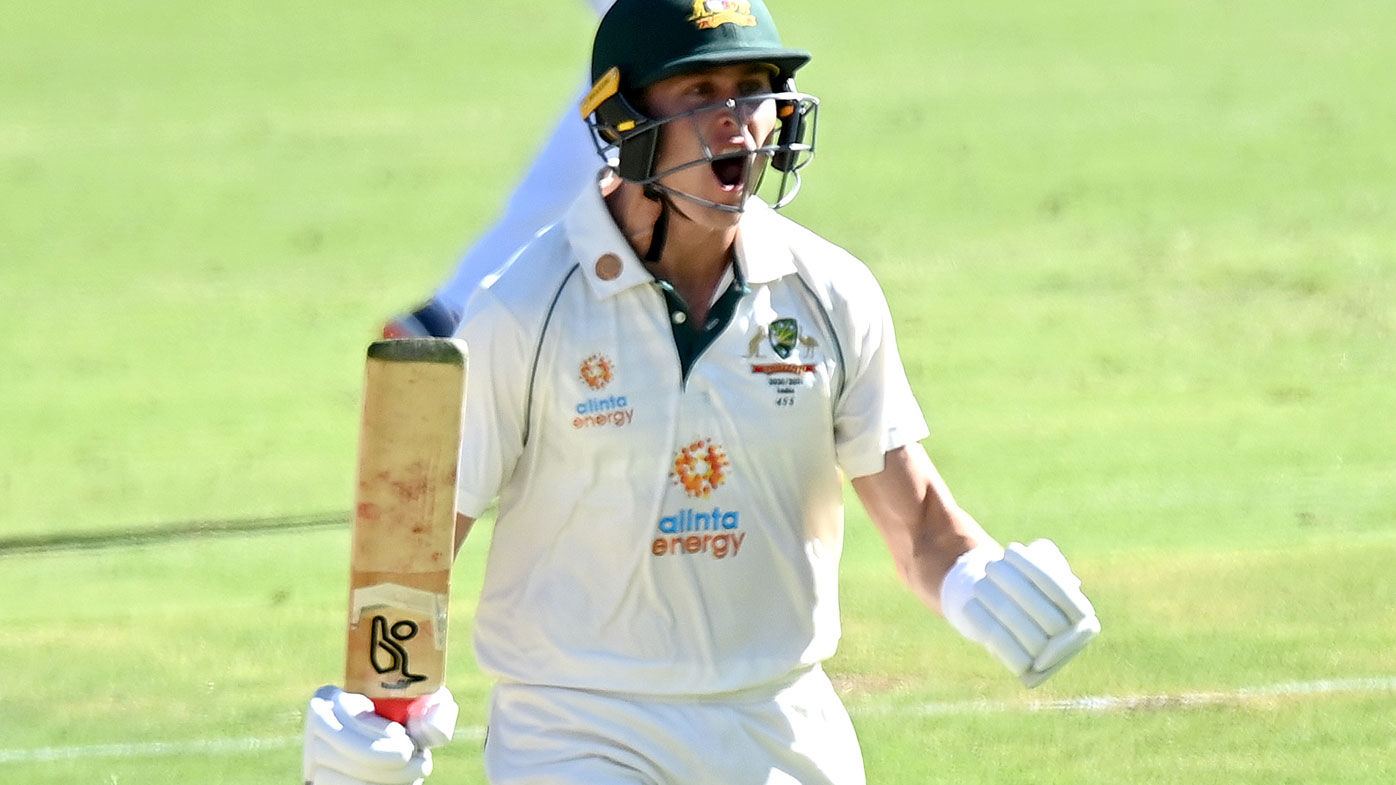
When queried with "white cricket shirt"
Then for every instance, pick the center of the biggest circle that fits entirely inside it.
(656, 534)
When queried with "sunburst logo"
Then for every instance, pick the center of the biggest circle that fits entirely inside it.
(597, 371)
(708, 14)
(699, 468)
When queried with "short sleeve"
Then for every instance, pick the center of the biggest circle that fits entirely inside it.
(876, 411)
(495, 401)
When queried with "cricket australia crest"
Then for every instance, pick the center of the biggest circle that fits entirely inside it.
(783, 333)
(793, 351)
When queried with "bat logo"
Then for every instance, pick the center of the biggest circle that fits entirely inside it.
(386, 643)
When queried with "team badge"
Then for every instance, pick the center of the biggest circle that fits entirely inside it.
(708, 14)
(783, 333)
(597, 371)
(700, 467)
(796, 357)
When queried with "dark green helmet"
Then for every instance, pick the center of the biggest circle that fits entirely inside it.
(641, 42)
(651, 40)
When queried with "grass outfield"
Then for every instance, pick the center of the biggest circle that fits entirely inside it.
(1142, 259)
(173, 647)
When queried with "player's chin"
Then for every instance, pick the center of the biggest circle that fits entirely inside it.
(733, 198)
(728, 210)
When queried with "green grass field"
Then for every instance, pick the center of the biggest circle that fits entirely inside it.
(1142, 258)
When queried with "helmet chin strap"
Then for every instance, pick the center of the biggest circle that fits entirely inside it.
(663, 194)
(660, 234)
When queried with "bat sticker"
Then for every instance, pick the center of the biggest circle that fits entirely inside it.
(388, 642)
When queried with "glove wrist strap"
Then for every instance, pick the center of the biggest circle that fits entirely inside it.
(957, 589)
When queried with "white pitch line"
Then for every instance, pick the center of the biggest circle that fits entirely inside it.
(152, 749)
(164, 749)
(1094, 704)
(1109, 703)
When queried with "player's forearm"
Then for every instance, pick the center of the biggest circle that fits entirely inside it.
(939, 535)
(1025, 604)
(925, 530)
(945, 534)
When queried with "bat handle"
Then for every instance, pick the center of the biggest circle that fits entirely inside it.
(400, 709)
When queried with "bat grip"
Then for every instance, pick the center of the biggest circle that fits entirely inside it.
(399, 709)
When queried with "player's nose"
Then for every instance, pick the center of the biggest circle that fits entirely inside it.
(735, 122)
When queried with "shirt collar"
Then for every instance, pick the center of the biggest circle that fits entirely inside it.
(763, 250)
(610, 265)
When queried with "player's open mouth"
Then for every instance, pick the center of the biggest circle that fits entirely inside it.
(730, 172)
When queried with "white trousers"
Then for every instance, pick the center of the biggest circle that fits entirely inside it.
(798, 734)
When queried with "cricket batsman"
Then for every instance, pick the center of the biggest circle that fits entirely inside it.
(668, 388)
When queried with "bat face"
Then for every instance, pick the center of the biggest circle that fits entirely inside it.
(404, 520)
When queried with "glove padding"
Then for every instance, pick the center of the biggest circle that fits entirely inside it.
(1024, 605)
(346, 743)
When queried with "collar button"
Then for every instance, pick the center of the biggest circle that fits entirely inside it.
(608, 267)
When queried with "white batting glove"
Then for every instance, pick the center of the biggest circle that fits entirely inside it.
(346, 743)
(1024, 604)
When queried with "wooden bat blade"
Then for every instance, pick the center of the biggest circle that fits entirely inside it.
(404, 521)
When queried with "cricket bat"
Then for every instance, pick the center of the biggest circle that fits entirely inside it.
(404, 521)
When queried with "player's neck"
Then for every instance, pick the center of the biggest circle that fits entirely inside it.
(695, 253)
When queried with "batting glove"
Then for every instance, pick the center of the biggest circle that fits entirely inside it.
(1024, 604)
(346, 743)
(433, 319)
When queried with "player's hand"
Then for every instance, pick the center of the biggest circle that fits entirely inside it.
(1025, 606)
(346, 743)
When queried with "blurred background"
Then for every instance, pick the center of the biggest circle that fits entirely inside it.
(1142, 259)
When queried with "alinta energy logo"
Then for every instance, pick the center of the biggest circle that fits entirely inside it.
(597, 371)
(700, 468)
